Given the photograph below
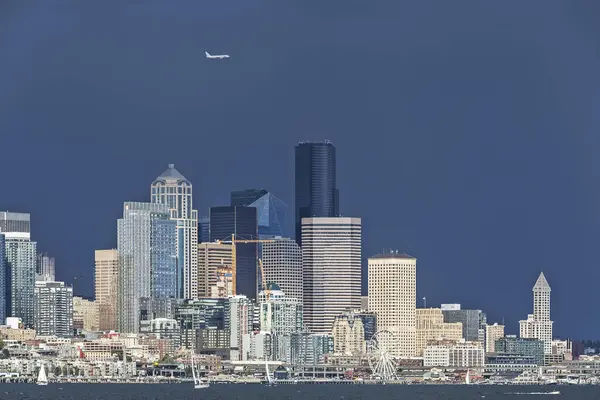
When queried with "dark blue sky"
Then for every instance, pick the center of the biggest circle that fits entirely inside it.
(466, 131)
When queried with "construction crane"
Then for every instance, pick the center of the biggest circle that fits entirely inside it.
(233, 243)
(264, 281)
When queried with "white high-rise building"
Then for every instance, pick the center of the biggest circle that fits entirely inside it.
(239, 315)
(174, 190)
(331, 259)
(538, 325)
(282, 264)
(53, 309)
(393, 297)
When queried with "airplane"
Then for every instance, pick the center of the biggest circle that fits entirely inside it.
(219, 57)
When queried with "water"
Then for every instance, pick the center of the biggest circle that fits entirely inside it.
(291, 392)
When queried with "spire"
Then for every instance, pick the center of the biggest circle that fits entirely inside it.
(171, 174)
(541, 284)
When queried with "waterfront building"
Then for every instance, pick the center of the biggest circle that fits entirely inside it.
(331, 258)
(45, 268)
(173, 189)
(53, 305)
(521, 347)
(431, 326)
(316, 193)
(3, 275)
(309, 348)
(147, 259)
(157, 307)
(214, 260)
(271, 211)
(106, 282)
(282, 263)
(202, 324)
(239, 316)
(461, 354)
(20, 264)
(85, 314)
(538, 325)
(258, 346)
(393, 298)
(165, 328)
(473, 321)
(239, 221)
(493, 333)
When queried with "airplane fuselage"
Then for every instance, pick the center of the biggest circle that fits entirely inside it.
(216, 57)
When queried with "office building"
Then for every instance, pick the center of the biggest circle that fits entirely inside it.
(203, 229)
(282, 263)
(309, 348)
(172, 189)
(239, 221)
(45, 268)
(202, 324)
(348, 335)
(538, 325)
(431, 326)
(21, 257)
(214, 260)
(473, 321)
(106, 282)
(271, 211)
(85, 314)
(15, 222)
(521, 347)
(147, 259)
(393, 298)
(3, 274)
(331, 260)
(452, 354)
(316, 192)
(53, 309)
(493, 333)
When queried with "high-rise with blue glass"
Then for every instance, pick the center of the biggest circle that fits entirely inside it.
(146, 244)
(173, 189)
(2, 278)
(316, 190)
(271, 211)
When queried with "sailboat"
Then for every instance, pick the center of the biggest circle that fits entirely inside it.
(198, 384)
(468, 377)
(42, 379)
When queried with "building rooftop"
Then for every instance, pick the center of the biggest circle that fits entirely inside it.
(394, 255)
(171, 174)
(541, 283)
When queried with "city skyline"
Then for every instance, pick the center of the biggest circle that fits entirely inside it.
(453, 147)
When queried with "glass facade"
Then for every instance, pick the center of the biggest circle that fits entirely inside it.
(241, 222)
(143, 227)
(271, 211)
(316, 190)
(3, 274)
(21, 256)
(167, 275)
(246, 197)
(472, 320)
(521, 347)
(203, 230)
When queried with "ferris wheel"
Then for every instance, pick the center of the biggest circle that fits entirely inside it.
(381, 361)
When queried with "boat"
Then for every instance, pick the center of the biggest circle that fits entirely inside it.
(270, 381)
(468, 377)
(42, 379)
(198, 383)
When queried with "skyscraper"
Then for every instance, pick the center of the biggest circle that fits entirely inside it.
(271, 211)
(3, 274)
(106, 279)
(212, 257)
(331, 260)
(316, 191)
(203, 229)
(538, 325)
(282, 264)
(174, 190)
(147, 259)
(46, 268)
(241, 222)
(393, 297)
(21, 258)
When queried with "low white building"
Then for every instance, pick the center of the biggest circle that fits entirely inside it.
(459, 355)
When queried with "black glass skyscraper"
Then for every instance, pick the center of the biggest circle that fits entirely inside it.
(241, 221)
(316, 189)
